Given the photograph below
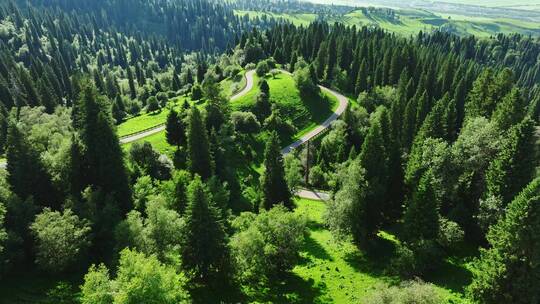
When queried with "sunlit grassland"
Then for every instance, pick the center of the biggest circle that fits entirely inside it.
(338, 272)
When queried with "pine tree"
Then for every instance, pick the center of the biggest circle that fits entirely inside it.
(274, 186)
(131, 81)
(374, 160)
(511, 110)
(199, 159)
(421, 219)
(175, 130)
(204, 243)
(362, 80)
(509, 271)
(103, 156)
(515, 165)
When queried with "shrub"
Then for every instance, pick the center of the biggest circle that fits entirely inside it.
(267, 245)
(250, 66)
(140, 279)
(316, 177)
(61, 238)
(450, 233)
(416, 259)
(153, 105)
(262, 68)
(245, 122)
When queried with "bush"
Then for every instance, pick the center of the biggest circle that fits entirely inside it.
(262, 68)
(450, 234)
(305, 83)
(150, 162)
(250, 66)
(153, 105)
(245, 122)
(232, 70)
(140, 279)
(407, 293)
(267, 245)
(316, 177)
(61, 239)
(416, 259)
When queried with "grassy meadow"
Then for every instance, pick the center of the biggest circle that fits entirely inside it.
(410, 22)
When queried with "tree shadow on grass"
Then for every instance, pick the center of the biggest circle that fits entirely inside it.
(451, 275)
(292, 289)
(375, 261)
(314, 249)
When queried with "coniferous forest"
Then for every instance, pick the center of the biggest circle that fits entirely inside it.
(176, 151)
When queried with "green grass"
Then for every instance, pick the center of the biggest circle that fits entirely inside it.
(296, 19)
(158, 142)
(338, 272)
(148, 120)
(410, 21)
(305, 113)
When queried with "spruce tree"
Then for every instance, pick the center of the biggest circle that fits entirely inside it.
(421, 218)
(373, 158)
(515, 165)
(274, 186)
(131, 81)
(511, 110)
(509, 271)
(104, 164)
(199, 159)
(175, 130)
(204, 242)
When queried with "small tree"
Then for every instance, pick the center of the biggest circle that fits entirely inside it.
(61, 238)
(266, 245)
(175, 129)
(304, 82)
(140, 279)
(153, 105)
(262, 68)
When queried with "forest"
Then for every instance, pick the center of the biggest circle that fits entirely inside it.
(174, 151)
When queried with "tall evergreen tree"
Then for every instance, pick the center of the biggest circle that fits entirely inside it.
(131, 81)
(373, 158)
(204, 243)
(274, 186)
(509, 271)
(175, 130)
(515, 165)
(511, 110)
(421, 219)
(199, 158)
(103, 157)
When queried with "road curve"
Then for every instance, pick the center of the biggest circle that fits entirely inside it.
(138, 136)
(249, 85)
(343, 103)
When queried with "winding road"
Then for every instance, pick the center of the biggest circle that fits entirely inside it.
(250, 82)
